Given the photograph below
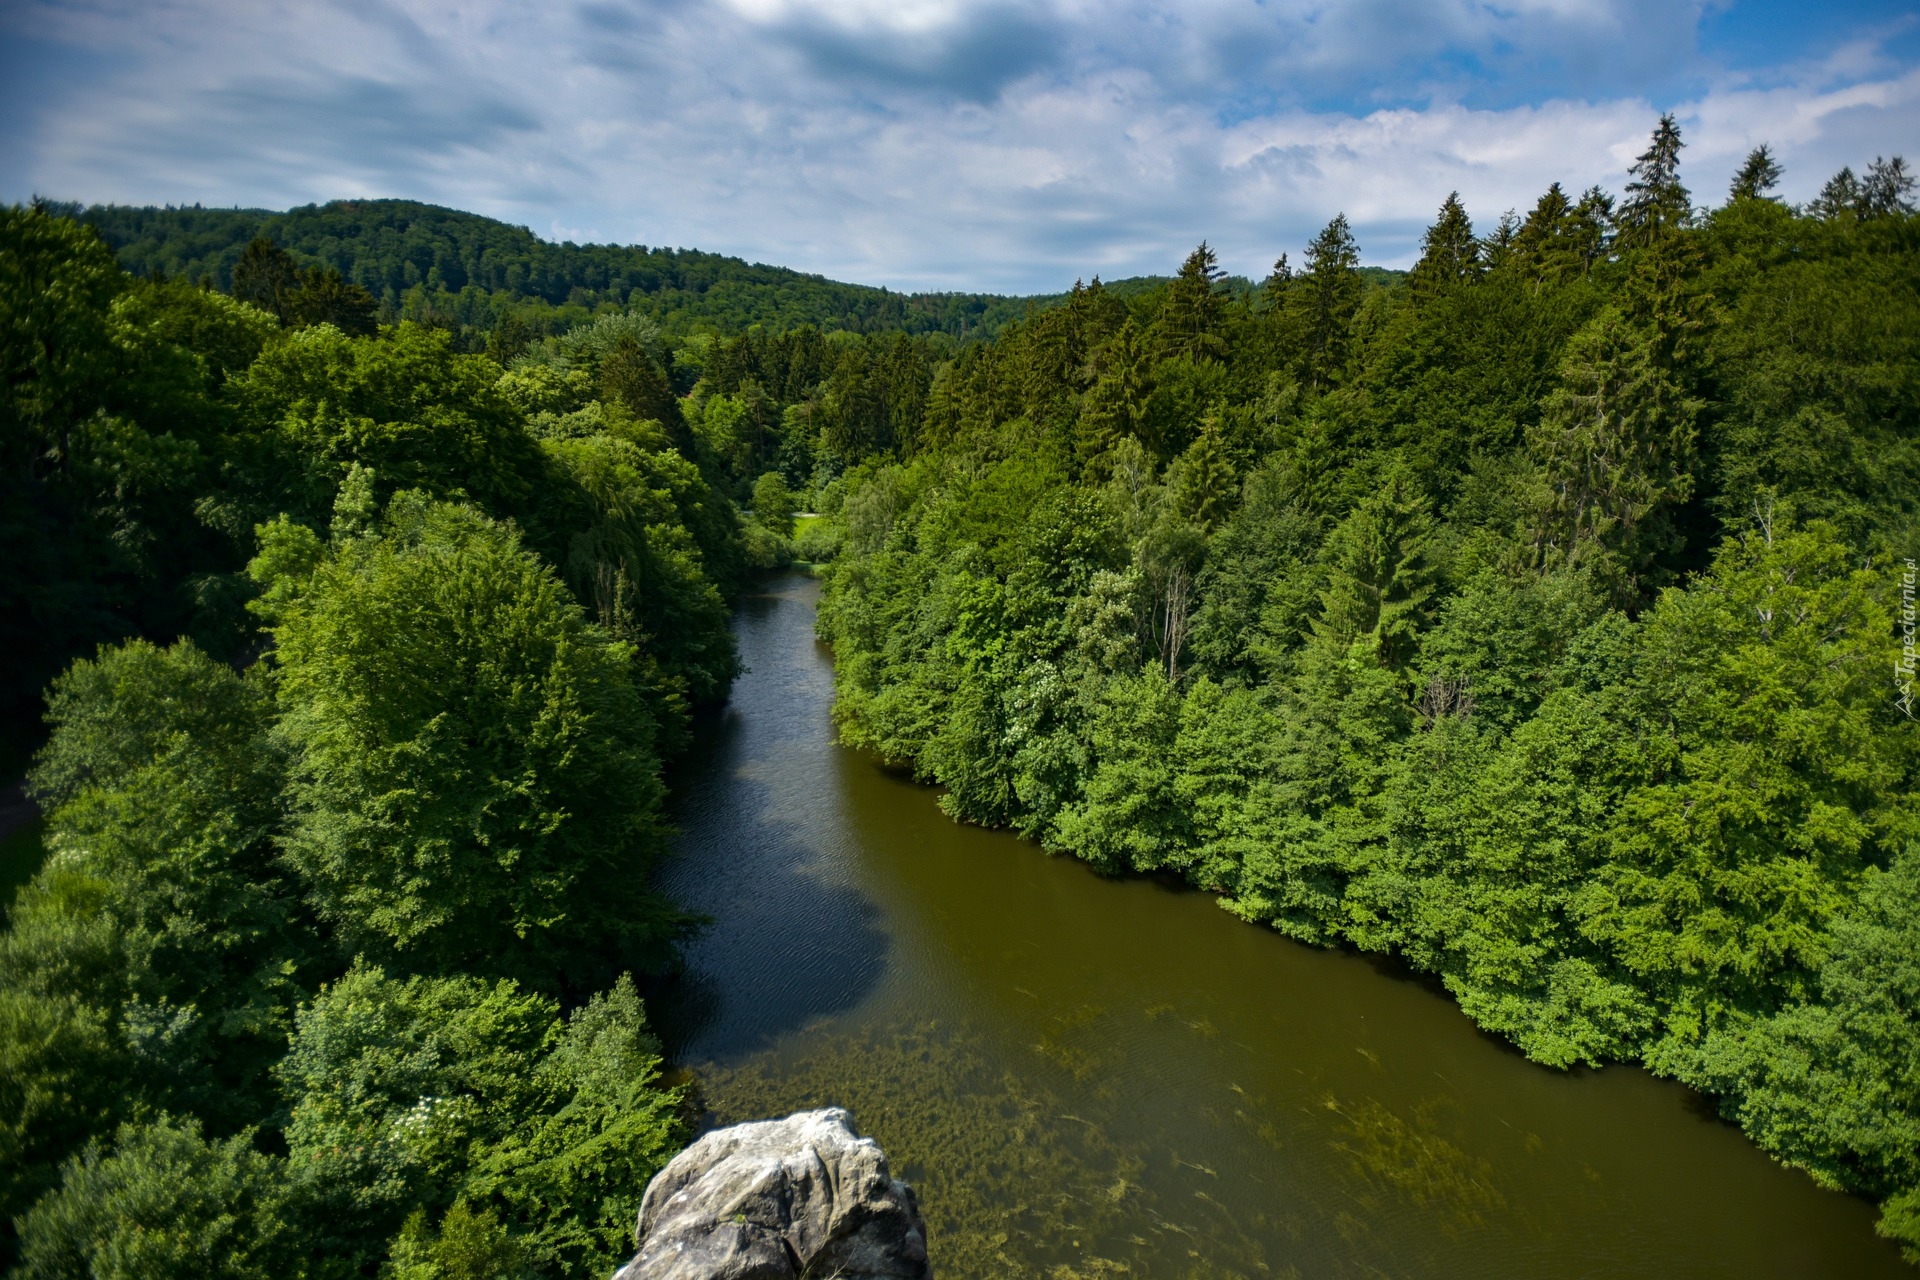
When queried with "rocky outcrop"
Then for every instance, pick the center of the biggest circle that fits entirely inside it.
(780, 1200)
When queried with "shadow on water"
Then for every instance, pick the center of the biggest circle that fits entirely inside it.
(1094, 1077)
(795, 939)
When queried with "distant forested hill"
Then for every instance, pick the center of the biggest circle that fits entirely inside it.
(464, 272)
(424, 262)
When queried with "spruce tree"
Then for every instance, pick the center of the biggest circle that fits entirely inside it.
(267, 277)
(1380, 577)
(1328, 296)
(1657, 201)
(1501, 245)
(630, 377)
(1191, 316)
(1839, 198)
(1550, 246)
(1885, 190)
(1758, 175)
(1449, 253)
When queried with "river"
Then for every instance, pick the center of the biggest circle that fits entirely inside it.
(1089, 1077)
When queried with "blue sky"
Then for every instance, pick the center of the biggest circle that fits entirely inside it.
(943, 144)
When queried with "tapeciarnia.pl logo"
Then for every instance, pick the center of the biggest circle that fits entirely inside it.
(1904, 664)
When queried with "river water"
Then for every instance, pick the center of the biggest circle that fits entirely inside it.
(1086, 1077)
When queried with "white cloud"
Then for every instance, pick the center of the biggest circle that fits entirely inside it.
(920, 143)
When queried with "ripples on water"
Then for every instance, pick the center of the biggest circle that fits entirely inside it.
(1089, 1077)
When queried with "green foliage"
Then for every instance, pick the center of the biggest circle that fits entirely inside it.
(164, 1204)
(466, 270)
(1780, 774)
(444, 753)
(104, 419)
(1528, 616)
(1531, 619)
(422, 1099)
(773, 504)
(267, 277)
(407, 406)
(159, 944)
(476, 784)
(1615, 444)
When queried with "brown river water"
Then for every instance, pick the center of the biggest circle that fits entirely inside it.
(1089, 1077)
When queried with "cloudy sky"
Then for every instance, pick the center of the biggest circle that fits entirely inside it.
(966, 144)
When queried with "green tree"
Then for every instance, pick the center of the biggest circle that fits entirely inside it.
(475, 781)
(1616, 443)
(1886, 188)
(1657, 203)
(267, 277)
(1839, 197)
(1191, 315)
(1833, 1085)
(1759, 173)
(164, 1204)
(773, 503)
(1449, 254)
(164, 782)
(325, 297)
(407, 406)
(1379, 576)
(631, 376)
(1327, 297)
(1778, 777)
(416, 1096)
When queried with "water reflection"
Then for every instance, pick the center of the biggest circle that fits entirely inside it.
(1090, 1077)
(793, 938)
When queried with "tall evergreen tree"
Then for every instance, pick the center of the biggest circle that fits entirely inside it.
(1839, 197)
(1380, 575)
(1886, 188)
(1616, 443)
(1190, 320)
(1449, 254)
(1657, 201)
(630, 377)
(1328, 296)
(1759, 174)
(267, 277)
(1500, 245)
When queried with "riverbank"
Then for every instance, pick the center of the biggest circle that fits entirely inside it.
(1084, 1074)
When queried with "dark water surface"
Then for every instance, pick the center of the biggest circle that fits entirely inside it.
(1087, 1077)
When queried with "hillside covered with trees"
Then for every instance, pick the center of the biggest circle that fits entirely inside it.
(460, 270)
(365, 658)
(1537, 619)
(1534, 616)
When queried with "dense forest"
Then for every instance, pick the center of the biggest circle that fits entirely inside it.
(1533, 616)
(365, 658)
(469, 274)
(1537, 619)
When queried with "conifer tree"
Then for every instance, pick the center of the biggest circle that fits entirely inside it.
(1657, 202)
(1328, 296)
(1116, 406)
(1838, 197)
(267, 277)
(1379, 578)
(1449, 253)
(1503, 242)
(629, 377)
(1593, 225)
(1616, 444)
(1279, 283)
(1885, 190)
(1191, 317)
(1759, 174)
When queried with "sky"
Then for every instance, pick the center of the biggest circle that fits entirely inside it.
(940, 144)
